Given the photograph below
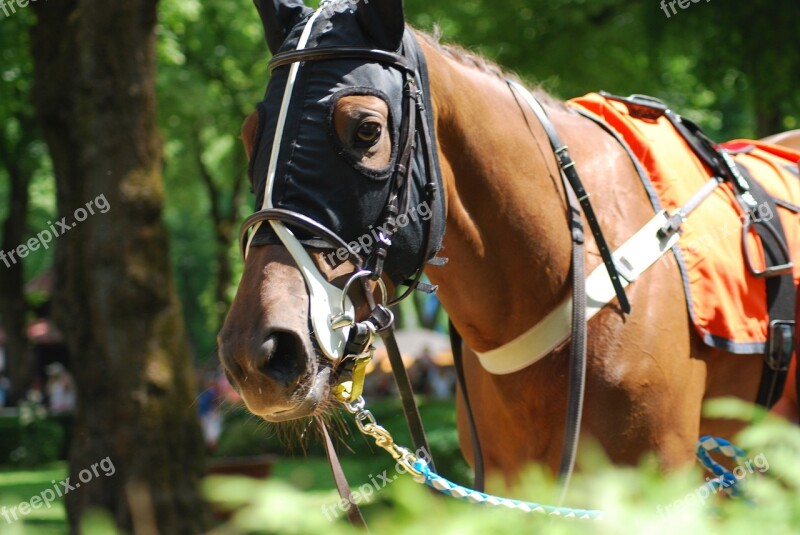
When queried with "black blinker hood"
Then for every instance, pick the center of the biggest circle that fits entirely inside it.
(316, 177)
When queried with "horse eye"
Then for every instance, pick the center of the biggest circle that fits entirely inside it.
(368, 133)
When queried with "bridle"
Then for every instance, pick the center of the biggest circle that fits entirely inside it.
(412, 123)
(340, 337)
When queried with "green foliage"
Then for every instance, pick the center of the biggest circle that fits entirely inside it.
(211, 74)
(41, 439)
(718, 64)
(635, 500)
(244, 434)
(10, 431)
(20, 143)
(32, 443)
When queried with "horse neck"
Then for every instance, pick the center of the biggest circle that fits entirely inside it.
(506, 237)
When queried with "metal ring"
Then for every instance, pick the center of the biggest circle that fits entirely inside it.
(360, 275)
(354, 407)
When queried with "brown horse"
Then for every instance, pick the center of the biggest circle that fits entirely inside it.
(508, 246)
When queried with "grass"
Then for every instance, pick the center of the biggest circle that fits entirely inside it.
(20, 485)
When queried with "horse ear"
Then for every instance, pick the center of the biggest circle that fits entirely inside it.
(279, 17)
(383, 21)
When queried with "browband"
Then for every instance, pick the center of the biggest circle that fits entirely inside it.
(340, 53)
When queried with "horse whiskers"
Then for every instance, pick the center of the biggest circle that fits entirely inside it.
(300, 434)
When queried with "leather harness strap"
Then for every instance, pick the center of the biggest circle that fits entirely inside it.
(456, 344)
(353, 512)
(577, 198)
(570, 175)
(410, 408)
(780, 295)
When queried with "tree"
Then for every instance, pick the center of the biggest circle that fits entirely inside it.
(733, 68)
(211, 74)
(13, 307)
(115, 300)
(753, 41)
(20, 157)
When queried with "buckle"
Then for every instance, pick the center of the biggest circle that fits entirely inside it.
(563, 157)
(769, 271)
(625, 269)
(780, 345)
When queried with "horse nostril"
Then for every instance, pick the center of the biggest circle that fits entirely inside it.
(281, 358)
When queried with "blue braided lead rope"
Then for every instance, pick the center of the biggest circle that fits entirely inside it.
(727, 481)
(706, 445)
(448, 488)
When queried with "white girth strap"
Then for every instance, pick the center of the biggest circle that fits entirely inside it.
(634, 257)
(325, 299)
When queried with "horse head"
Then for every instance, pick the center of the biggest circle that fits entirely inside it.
(348, 196)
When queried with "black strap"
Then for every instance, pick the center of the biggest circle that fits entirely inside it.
(797, 348)
(569, 172)
(406, 392)
(780, 293)
(700, 144)
(340, 53)
(568, 168)
(577, 364)
(477, 452)
(577, 360)
(353, 512)
(432, 171)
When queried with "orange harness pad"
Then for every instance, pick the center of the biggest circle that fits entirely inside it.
(727, 303)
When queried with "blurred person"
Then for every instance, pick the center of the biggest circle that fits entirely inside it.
(60, 389)
(210, 414)
(442, 380)
(5, 388)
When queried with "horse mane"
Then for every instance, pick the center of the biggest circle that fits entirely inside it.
(480, 63)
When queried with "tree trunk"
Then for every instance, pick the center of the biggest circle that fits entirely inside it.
(115, 298)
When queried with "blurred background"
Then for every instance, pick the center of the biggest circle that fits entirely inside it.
(107, 336)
